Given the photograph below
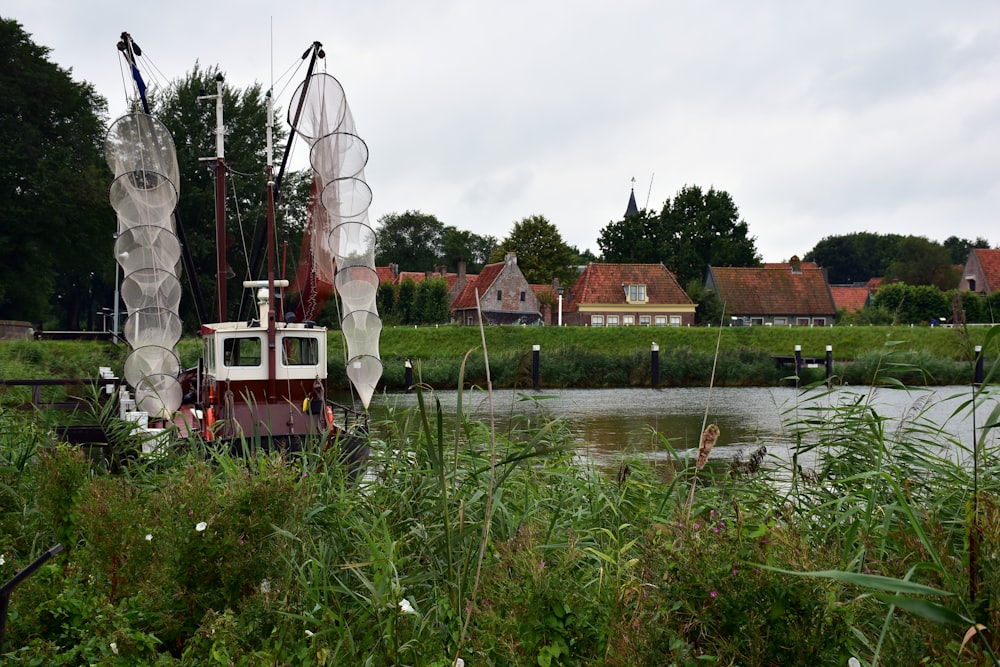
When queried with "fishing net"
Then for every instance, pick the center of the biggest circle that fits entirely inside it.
(341, 242)
(140, 152)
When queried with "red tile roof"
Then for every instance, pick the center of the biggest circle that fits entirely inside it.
(486, 277)
(851, 299)
(773, 289)
(602, 284)
(385, 274)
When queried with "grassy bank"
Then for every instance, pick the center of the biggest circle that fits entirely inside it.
(585, 357)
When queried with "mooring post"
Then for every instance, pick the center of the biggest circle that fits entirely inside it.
(829, 364)
(7, 588)
(655, 364)
(798, 364)
(979, 364)
(534, 365)
(409, 375)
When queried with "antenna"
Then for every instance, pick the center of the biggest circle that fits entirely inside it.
(650, 190)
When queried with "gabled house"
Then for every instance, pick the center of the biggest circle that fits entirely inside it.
(779, 294)
(626, 295)
(855, 297)
(982, 272)
(505, 296)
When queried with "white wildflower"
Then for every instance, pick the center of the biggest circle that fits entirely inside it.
(2, 559)
(149, 537)
(201, 526)
(459, 662)
(853, 662)
(405, 607)
(114, 648)
(265, 586)
(309, 633)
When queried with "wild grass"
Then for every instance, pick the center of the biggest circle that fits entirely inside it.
(876, 542)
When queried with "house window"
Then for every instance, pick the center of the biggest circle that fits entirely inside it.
(780, 321)
(660, 320)
(756, 321)
(628, 320)
(972, 284)
(499, 295)
(612, 320)
(635, 293)
(675, 320)
(644, 320)
(597, 320)
(523, 295)
(802, 321)
(819, 321)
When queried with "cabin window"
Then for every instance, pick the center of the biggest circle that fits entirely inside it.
(208, 355)
(660, 320)
(299, 351)
(628, 320)
(523, 294)
(597, 320)
(644, 320)
(241, 351)
(675, 320)
(612, 320)
(635, 293)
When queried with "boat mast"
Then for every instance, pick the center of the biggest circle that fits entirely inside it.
(220, 201)
(272, 356)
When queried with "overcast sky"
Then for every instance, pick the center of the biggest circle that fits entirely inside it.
(819, 118)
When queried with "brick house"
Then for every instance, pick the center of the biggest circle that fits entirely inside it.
(627, 295)
(982, 272)
(504, 295)
(779, 294)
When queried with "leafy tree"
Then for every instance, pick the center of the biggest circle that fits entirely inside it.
(385, 301)
(708, 308)
(702, 229)
(959, 248)
(919, 261)
(856, 257)
(406, 297)
(56, 225)
(637, 239)
(913, 304)
(694, 230)
(541, 252)
(430, 305)
(458, 245)
(192, 124)
(411, 239)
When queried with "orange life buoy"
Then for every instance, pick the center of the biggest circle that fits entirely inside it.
(209, 422)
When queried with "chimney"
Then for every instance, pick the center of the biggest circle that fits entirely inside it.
(395, 270)
(796, 264)
(461, 270)
(510, 258)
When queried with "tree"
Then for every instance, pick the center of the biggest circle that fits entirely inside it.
(694, 230)
(192, 124)
(635, 240)
(959, 248)
(430, 305)
(471, 248)
(541, 252)
(56, 225)
(919, 261)
(411, 239)
(700, 229)
(853, 258)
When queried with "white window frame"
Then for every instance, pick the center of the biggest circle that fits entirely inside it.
(628, 320)
(597, 320)
(612, 320)
(644, 320)
(675, 320)
(660, 320)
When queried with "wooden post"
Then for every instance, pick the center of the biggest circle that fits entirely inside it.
(534, 365)
(798, 365)
(655, 364)
(829, 364)
(409, 375)
(979, 364)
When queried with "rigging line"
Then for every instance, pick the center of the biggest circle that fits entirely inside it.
(651, 177)
(239, 224)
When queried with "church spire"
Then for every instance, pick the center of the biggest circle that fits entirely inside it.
(631, 209)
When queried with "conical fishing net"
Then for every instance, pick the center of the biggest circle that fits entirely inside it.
(342, 243)
(140, 152)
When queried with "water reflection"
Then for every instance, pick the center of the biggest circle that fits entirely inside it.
(609, 422)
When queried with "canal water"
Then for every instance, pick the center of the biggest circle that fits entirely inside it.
(609, 423)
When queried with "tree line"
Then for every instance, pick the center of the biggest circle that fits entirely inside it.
(57, 227)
